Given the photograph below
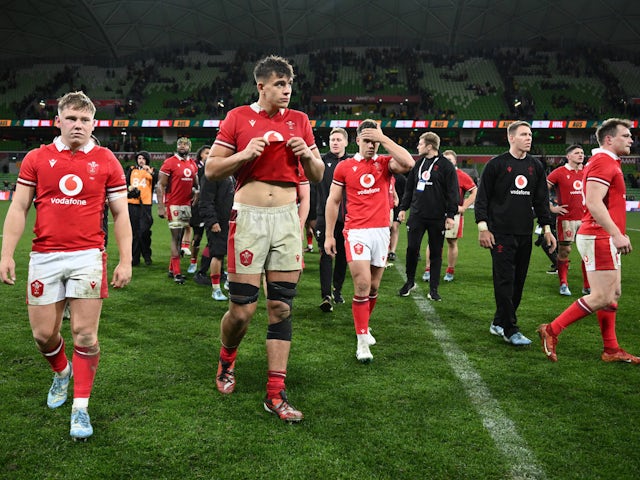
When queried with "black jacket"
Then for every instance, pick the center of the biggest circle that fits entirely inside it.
(323, 187)
(438, 194)
(512, 192)
(216, 200)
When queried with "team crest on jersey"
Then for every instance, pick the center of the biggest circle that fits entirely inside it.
(358, 248)
(92, 168)
(37, 288)
(291, 124)
(246, 257)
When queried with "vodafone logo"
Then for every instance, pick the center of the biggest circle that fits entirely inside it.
(521, 182)
(187, 172)
(577, 185)
(426, 175)
(367, 180)
(70, 185)
(273, 136)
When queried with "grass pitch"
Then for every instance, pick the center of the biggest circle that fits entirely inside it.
(443, 399)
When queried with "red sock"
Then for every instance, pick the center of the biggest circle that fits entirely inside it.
(174, 265)
(450, 270)
(372, 303)
(215, 279)
(57, 358)
(563, 270)
(360, 310)
(85, 365)
(585, 279)
(607, 321)
(228, 354)
(275, 383)
(309, 239)
(577, 310)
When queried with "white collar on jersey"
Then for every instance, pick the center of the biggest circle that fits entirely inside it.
(61, 146)
(257, 108)
(359, 157)
(608, 152)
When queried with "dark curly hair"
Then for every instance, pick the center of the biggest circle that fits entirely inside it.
(145, 154)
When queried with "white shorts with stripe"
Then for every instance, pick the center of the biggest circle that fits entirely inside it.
(370, 244)
(567, 230)
(458, 226)
(264, 238)
(598, 253)
(58, 275)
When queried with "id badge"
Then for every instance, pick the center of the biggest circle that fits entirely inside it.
(420, 185)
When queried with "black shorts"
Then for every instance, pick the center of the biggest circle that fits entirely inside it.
(217, 241)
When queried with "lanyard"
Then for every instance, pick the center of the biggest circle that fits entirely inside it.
(428, 171)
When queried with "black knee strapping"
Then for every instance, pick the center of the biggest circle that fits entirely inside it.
(280, 330)
(282, 292)
(243, 293)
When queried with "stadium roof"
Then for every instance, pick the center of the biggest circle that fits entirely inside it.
(117, 29)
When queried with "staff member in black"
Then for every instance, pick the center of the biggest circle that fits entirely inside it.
(338, 141)
(513, 189)
(431, 193)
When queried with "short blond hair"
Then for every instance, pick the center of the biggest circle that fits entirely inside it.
(431, 138)
(450, 153)
(341, 131)
(76, 100)
(511, 129)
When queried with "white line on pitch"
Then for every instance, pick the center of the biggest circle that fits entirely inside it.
(523, 464)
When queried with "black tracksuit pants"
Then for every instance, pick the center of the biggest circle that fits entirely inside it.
(416, 228)
(510, 258)
(329, 273)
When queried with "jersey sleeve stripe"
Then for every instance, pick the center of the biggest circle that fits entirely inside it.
(225, 144)
(26, 182)
(115, 195)
(599, 180)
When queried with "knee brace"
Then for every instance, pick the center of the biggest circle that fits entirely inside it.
(280, 330)
(243, 293)
(282, 292)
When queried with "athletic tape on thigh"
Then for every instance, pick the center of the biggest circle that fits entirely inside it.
(243, 293)
(282, 292)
